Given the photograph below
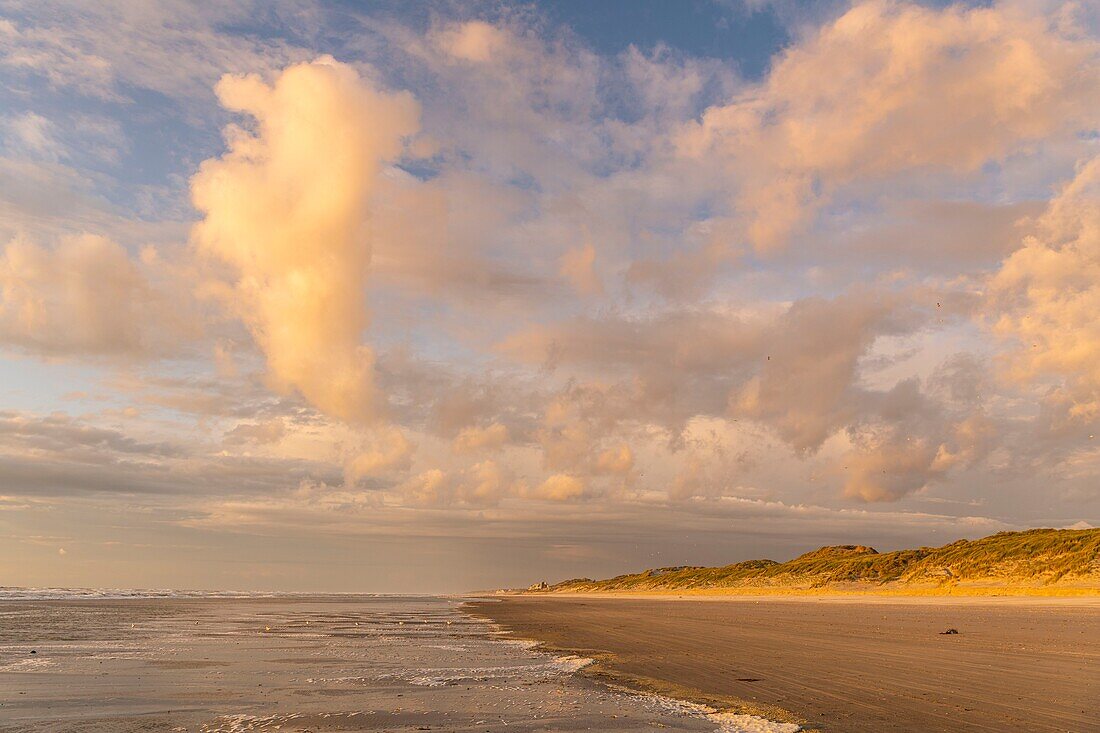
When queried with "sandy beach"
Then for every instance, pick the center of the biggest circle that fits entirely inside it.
(850, 665)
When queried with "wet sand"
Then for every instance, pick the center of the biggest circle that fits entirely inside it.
(844, 665)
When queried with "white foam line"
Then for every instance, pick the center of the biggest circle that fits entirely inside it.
(734, 723)
(726, 722)
(552, 667)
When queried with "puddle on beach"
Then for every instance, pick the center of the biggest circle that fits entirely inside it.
(297, 664)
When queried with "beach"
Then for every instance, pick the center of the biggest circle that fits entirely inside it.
(844, 664)
(101, 662)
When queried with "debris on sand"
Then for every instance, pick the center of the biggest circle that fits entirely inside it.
(949, 631)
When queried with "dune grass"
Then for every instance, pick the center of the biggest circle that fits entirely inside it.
(1035, 558)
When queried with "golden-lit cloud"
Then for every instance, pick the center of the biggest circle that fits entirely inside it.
(617, 461)
(388, 450)
(87, 296)
(287, 208)
(482, 484)
(474, 438)
(891, 87)
(1046, 295)
(560, 487)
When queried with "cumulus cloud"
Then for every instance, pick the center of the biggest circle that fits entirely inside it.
(475, 438)
(581, 445)
(796, 370)
(890, 87)
(806, 383)
(390, 450)
(889, 461)
(86, 296)
(911, 437)
(560, 487)
(287, 207)
(618, 460)
(481, 484)
(800, 373)
(428, 487)
(887, 465)
(484, 483)
(1045, 297)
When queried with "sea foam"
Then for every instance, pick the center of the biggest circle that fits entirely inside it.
(734, 723)
(726, 722)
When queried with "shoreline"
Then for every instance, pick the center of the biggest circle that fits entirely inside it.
(833, 662)
(601, 668)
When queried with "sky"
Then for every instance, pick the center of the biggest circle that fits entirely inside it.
(392, 297)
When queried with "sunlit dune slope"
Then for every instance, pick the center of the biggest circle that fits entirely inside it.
(1036, 559)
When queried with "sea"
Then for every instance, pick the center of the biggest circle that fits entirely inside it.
(78, 660)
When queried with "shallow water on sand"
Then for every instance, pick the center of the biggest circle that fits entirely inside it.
(297, 663)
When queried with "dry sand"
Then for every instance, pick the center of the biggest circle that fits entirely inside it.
(843, 664)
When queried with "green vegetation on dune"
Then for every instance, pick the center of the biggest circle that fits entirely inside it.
(1035, 558)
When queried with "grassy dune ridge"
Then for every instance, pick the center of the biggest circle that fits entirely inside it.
(1037, 559)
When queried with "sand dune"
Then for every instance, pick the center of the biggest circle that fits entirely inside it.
(1035, 562)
